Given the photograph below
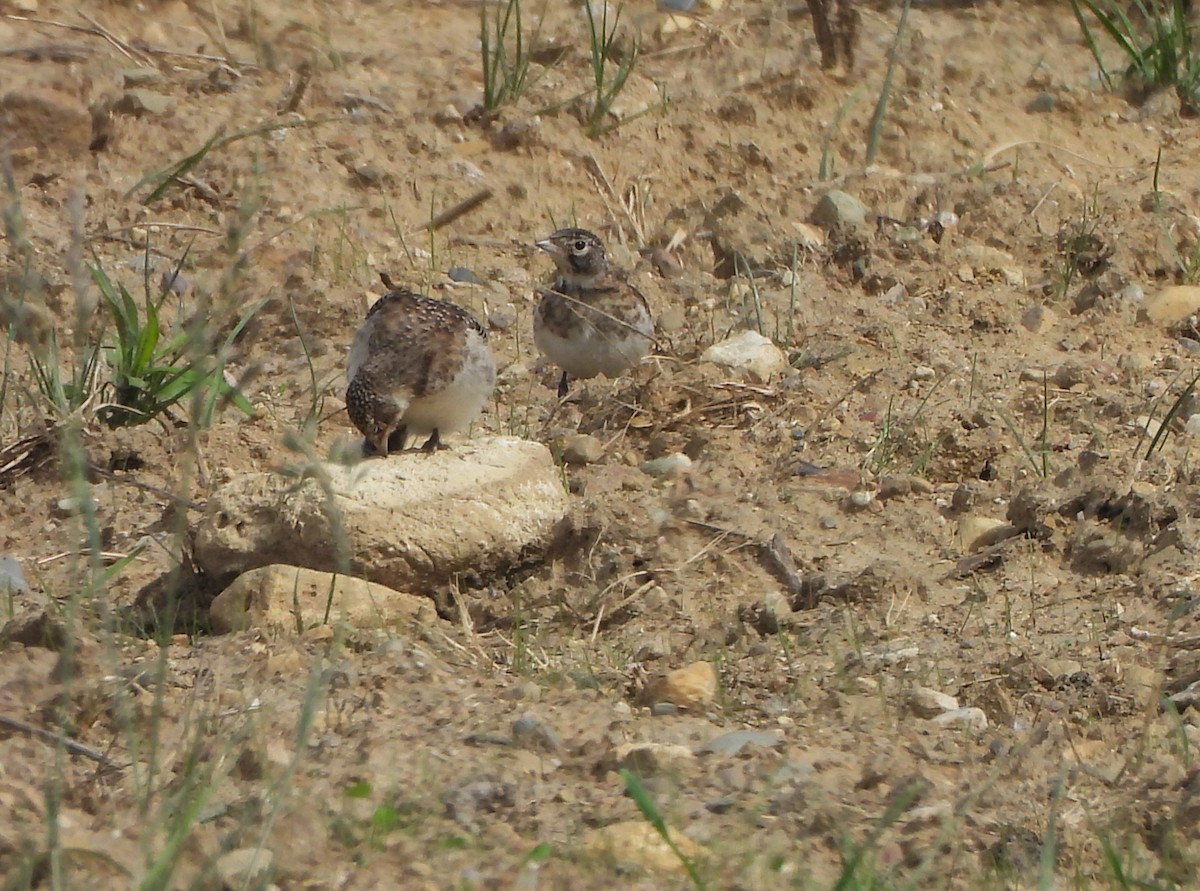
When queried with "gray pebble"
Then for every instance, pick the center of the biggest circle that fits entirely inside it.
(174, 282)
(667, 465)
(721, 805)
(12, 579)
(860, 499)
(68, 507)
(664, 709)
(464, 275)
(530, 733)
(368, 174)
(502, 320)
(733, 742)
(840, 209)
(140, 103)
(1041, 103)
(139, 77)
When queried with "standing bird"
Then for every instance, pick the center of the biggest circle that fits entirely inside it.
(417, 366)
(592, 321)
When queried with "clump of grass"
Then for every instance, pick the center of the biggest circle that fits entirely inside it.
(1039, 460)
(611, 66)
(1081, 251)
(1159, 53)
(152, 372)
(894, 438)
(504, 54)
(61, 393)
(64, 393)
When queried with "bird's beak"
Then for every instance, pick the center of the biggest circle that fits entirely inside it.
(549, 247)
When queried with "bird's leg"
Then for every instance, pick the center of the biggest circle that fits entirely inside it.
(396, 439)
(433, 443)
(563, 389)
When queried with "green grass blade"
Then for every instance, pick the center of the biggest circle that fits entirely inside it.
(875, 129)
(645, 804)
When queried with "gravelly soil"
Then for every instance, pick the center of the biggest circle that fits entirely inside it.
(999, 370)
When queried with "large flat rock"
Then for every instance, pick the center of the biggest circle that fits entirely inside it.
(290, 600)
(409, 521)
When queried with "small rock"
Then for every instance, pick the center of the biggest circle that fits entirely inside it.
(923, 373)
(721, 805)
(139, 77)
(583, 448)
(808, 237)
(664, 709)
(1041, 103)
(1037, 318)
(976, 533)
(173, 282)
(1148, 425)
(691, 687)
(289, 600)
(986, 260)
(1053, 671)
(69, 507)
(647, 759)
(368, 174)
(860, 499)
(1172, 304)
(673, 23)
(12, 579)
(838, 209)
(1068, 375)
(667, 265)
(35, 629)
(501, 319)
(637, 842)
(972, 718)
(141, 103)
(748, 351)
(530, 733)
(667, 465)
(907, 237)
(965, 497)
(733, 742)
(928, 703)
(245, 868)
(464, 276)
(526, 691)
(897, 486)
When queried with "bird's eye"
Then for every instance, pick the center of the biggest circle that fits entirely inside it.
(580, 246)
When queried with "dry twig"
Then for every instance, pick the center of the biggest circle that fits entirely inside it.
(59, 740)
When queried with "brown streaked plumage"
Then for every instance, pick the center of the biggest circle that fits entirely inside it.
(591, 321)
(417, 366)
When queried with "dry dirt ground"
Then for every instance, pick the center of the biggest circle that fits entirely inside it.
(997, 368)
